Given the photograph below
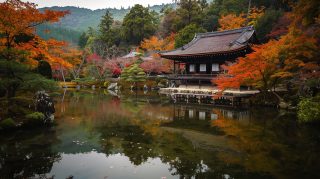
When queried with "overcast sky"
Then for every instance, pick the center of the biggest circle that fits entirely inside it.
(96, 4)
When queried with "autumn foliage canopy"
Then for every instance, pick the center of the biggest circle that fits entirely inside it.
(293, 57)
(23, 18)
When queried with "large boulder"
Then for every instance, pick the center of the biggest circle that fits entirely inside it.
(113, 86)
(43, 103)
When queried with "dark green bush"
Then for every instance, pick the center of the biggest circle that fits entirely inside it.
(7, 124)
(44, 69)
(309, 109)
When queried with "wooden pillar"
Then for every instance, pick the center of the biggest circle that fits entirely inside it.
(174, 111)
(174, 67)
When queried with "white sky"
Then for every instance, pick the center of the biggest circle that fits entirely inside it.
(96, 4)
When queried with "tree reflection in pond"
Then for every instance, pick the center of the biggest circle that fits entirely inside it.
(27, 153)
(98, 136)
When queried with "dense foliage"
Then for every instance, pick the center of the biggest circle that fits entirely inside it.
(186, 34)
(309, 109)
(25, 58)
(133, 74)
(138, 24)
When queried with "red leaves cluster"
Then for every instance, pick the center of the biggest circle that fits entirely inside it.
(155, 66)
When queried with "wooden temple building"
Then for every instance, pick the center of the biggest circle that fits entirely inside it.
(202, 58)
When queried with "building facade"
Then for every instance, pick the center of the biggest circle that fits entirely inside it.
(199, 61)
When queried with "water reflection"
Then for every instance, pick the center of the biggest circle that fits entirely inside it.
(28, 154)
(107, 136)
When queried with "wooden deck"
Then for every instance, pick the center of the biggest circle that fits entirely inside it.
(206, 77)
(208, 95)
(207, 92)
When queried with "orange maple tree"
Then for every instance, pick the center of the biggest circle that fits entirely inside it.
(254, 14)
(231, 21)
(156, 44)
(18, 22)
(20, 18)
(294, 56)
(256, 69)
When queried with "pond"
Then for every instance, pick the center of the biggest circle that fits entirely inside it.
(99, 135)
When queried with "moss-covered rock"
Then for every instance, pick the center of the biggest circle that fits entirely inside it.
(7, 124)
(106, 84)
(34, 118)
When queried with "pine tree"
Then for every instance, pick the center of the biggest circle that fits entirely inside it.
(106, 23)
(133, 74)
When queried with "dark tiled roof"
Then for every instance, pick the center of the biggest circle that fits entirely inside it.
(215, 42)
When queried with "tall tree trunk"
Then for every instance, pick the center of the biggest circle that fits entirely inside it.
(61, 70)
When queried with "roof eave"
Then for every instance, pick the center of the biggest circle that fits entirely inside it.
(205, 54)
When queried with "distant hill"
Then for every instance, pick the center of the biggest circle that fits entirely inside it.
(80, 19)
(71, 26)
(59, 33)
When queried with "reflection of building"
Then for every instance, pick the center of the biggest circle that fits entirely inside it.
(192, 112)
(205, 54)
(207, 112)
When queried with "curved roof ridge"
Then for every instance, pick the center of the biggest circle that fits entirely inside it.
(244, 36)
(215, 42)
(198, 36)
(193, 41)
(225, 32)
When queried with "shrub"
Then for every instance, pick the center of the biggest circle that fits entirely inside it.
(309, 109)
(106, 84)
(44, 69)
(35, 118)
(151, 83)
(7, 124)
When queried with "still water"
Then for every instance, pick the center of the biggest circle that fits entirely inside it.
(142, 136)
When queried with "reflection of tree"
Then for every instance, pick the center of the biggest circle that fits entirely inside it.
(184, 160)
(260, 144)
(272, 145)
(27, 153)
(136, 144)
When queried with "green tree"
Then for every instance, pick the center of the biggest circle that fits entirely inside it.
(83, 39)
(16, 76)
(266, 22)
(168, 22)
(189, 12)
(203, 4)
(211, 17)
(133, 74)
(106, 22)
(185, 35)
(232, 6)
(109, 35)
(138, 24)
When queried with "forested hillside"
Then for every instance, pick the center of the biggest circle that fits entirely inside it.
(80, 19)
(64, 34)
